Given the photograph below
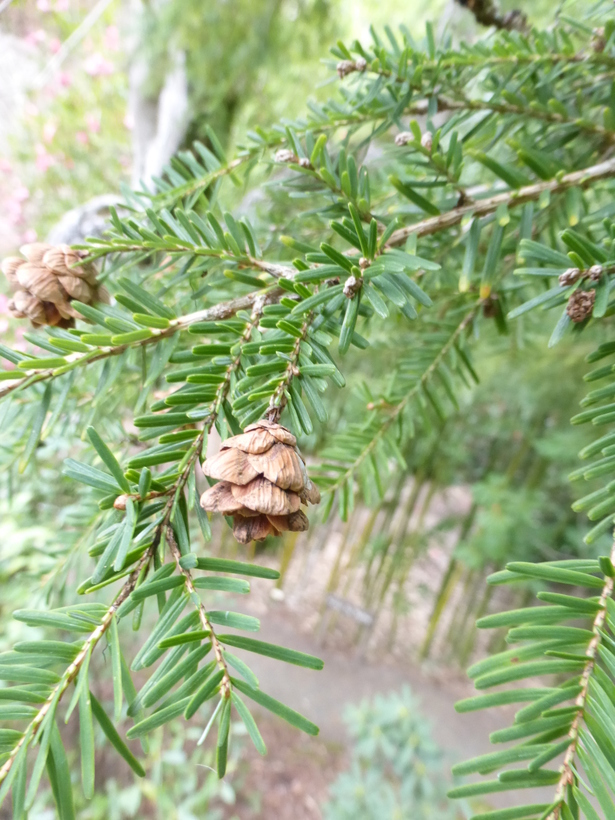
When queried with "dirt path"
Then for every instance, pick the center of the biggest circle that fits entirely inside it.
(347, 678)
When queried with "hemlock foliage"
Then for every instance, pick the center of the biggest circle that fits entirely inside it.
(444, 191)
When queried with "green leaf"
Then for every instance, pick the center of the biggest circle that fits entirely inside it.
(244, 670)
(280, 653)
(249, 723)
(108, 459)
(184, 637)
(37, 426)
(116, 665)
(500, 699)
(161, 686)
(494, 760)
(158, 718)
(89, 475)
(154, 587)
(127, 534)
(279, 709)
(234, 619)
(528, 615)
(86, 741)
(236, 567)
(526, 670)
(204, 692)
(222, 584)
(349, 323)
(59, 775)
(114, 738)
(406, 190)
(492, 786)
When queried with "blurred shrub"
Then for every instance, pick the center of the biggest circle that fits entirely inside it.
(396, 770)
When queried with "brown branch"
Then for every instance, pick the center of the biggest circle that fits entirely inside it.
(221, 395)
(487, 14)
(223, 310)
(519, 196)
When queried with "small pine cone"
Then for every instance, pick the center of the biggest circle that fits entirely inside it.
(581, 304)
(262, 483)
(47, 280)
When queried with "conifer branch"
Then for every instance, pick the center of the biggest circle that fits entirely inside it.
(426, 227)
(73, 670)
(225, 684)
(224, 310)
(93, 639)
(279, 399)
(394, 412)
(520, 196)
(567, 771)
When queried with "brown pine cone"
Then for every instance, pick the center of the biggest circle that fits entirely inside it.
(46, 282)
(581, 305)
(262, 482)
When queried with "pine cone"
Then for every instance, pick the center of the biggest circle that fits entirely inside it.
(262, 482)
(46, 282)
(581, 304)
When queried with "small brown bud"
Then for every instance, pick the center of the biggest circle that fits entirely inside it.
(427, 141)
(598, 40)
(286, 155)
(595, 272)
(345, 67)
(120, 502)
(581, 305)
(364, 263)
(490, 306)
(569, 277)
(351, 286)
(403, 138)
(305, 163)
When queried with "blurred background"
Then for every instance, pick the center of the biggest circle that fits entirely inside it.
(98, 95)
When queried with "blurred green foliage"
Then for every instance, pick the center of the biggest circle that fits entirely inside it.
(396, 769)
